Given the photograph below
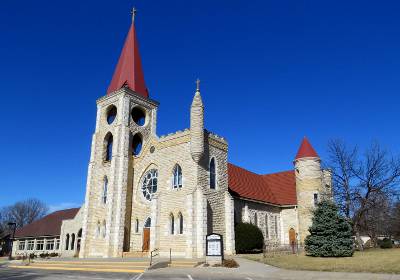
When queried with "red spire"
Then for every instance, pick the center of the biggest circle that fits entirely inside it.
(306, 150)
(129, 68)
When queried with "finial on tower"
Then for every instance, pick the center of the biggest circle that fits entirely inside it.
(198, 84)
(133, 13)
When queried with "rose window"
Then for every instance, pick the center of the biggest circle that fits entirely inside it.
(149, 184)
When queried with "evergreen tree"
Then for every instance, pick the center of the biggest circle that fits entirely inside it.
(330, 233)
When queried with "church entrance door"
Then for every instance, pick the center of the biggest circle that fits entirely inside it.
(146, 239)
(146, 235)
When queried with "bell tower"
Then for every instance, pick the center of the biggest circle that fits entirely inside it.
(126, 120)
(309, 187)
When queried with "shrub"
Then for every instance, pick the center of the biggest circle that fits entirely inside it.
(330, 233)
(385, 243)
(248, 238)
(53, 254)
(230, 263)
(32, 255)
(44, 255)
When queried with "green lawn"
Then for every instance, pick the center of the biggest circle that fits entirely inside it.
(372, 260)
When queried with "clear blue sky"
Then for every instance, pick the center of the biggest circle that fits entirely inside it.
(271, 71)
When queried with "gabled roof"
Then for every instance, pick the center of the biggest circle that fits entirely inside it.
(277, 188)
(306, 150)
(49, 225)
(129, 70)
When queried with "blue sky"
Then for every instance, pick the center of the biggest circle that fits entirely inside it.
(271, 71)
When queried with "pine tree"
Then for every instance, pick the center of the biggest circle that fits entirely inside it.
(330, 233)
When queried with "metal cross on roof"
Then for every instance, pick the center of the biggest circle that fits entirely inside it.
(133, 13)
(197, 85)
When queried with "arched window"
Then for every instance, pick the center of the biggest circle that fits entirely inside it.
(136, 142)
(171, 224)
(73, 241)
(177, 177)
(266, 227)
(212, 174)
(255, 219)
(105, 189)
(109, 146)
(97, 229)
(104, 229)
(137, 225)
(147, 224)
(180, 217)
(67, 242)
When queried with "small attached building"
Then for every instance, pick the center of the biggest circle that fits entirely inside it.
(44, 235)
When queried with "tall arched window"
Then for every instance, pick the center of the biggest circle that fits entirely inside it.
(255, 219)
(266, 227)
(177, 177)
(137, 225)
(212, 174)
(97, 229)
(104, 228)
(180, 217)
(171, 224)
(73, 241)
(67, 242)
(109, 146)
(105, 189)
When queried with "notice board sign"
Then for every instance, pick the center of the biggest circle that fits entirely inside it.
(214, 245)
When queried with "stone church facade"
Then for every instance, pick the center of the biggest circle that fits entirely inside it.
(147, 192)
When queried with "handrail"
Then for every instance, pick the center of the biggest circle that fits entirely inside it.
(155, 251)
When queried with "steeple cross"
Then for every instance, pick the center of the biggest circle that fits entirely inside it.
(133, 13)
(197, 85)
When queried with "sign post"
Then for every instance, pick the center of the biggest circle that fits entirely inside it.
(214, 249)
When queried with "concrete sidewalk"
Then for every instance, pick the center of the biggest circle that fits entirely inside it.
(256, 269)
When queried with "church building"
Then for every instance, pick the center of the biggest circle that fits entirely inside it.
(146, 192)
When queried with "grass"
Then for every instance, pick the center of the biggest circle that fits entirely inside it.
(372, 260)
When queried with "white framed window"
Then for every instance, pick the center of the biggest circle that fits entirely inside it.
(276, 226)
(105, 190)
(39, 245)
(57, 244)
(31, 245)
(177, 177)
(213, 174)
(50, 245)
(21, 245)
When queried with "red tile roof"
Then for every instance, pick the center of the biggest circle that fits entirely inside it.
(129, 70)
(306, 150)
(49, 225)
(277, 188)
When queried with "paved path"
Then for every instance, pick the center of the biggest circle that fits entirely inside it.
(248, 270)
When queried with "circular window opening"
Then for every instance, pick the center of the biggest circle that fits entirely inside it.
(138, 116)
(111, 114)
(149, 184)
(152, 149)
(137, 143)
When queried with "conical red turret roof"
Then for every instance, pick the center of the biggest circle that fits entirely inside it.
(129, 70)
(306, 150)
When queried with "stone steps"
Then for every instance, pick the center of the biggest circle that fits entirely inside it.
(96, 266)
